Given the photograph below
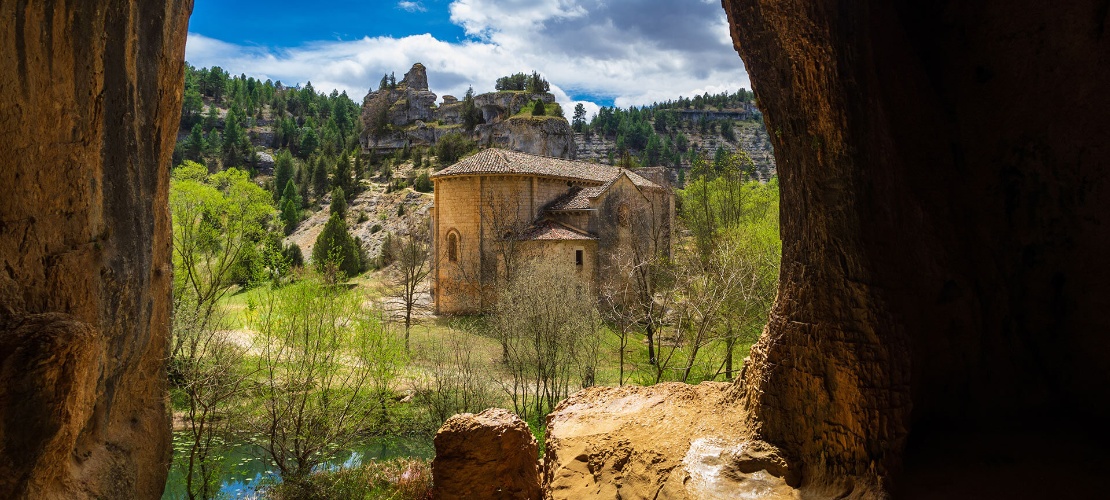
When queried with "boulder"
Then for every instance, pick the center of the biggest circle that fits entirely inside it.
(488, 455)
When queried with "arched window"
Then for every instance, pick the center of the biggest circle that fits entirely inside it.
(453, 247)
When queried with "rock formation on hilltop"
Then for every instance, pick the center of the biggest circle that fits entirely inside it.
(91, 102)
(406, 114)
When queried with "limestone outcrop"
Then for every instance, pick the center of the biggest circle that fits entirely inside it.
(544, 135)
(407, 115)
(488, 455)
(498, 106)
(90, 107)
(671, 440)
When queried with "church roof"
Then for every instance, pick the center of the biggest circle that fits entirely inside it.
(578, 198)
(553, 231)
(495, 161)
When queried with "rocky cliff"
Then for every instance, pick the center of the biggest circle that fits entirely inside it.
(408, 116)
(91, 101)
(942, 293)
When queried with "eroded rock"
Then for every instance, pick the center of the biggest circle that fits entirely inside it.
(89, 113)
(671, 440)
(491, 455)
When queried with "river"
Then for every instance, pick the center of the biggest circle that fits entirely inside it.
(248, 467)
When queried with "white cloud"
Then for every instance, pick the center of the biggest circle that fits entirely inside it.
(411, 6)
(633, 52)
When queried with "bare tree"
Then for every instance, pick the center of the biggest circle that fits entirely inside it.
(408, 277)
(457, 379)
(636, 272)
(551, 330)
(212, 376)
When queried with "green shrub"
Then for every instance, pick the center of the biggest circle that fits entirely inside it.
(538, 109)
(423, 183)
(401, 479)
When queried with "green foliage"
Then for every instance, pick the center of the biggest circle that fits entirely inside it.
(283, 173)
(534, 83)
(402, 479)
(195, 145)
(537, 108)
(328, 367)
(471, 115)
(423, 183)
(293, 255)
(452, 147)
(579, 121)
(338, 202)
(336, 255)
(320, 182)
(218, 220)
(343, 175)
(309, 142)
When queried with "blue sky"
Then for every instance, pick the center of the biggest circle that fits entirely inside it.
(622, 52)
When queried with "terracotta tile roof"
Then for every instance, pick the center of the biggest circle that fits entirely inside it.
(578, 198)
(553, 231)
(501, 161)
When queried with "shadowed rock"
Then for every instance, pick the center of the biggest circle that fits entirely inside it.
(88, 114)
(491, 455)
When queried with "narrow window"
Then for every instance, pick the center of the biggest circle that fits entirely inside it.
(452, 247)
(578, 258)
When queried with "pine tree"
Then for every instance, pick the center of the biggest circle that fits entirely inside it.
(343, 174)
(336, 252)
(579, 117)
(538, 110)
(320, 182)
(338, 202)
(196, 145)
(309, 142)
(283, 173)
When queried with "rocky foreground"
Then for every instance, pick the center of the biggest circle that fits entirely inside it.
(671, 440)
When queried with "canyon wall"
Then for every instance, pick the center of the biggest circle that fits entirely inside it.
(944, 222)
(90, 97)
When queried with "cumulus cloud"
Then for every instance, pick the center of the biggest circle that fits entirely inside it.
(632, 52)
(411, 6)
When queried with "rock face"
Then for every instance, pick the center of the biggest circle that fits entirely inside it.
(414, 120)
(488, 455)
(497, 106)
(90, 108)
(546, 135)
(944, 213)
(673, 441)
(416, 78)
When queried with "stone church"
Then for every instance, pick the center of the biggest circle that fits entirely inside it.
(499, 209)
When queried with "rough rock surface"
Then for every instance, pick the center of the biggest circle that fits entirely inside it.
(944, 211)
(545, 135)
(489, 455)
(497, 106)
(417, 121)
(89, 109)
(379, 211)
(671, 440)
(416, 78)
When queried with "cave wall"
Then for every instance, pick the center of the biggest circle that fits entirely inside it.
(90, 98)
(944, 222)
